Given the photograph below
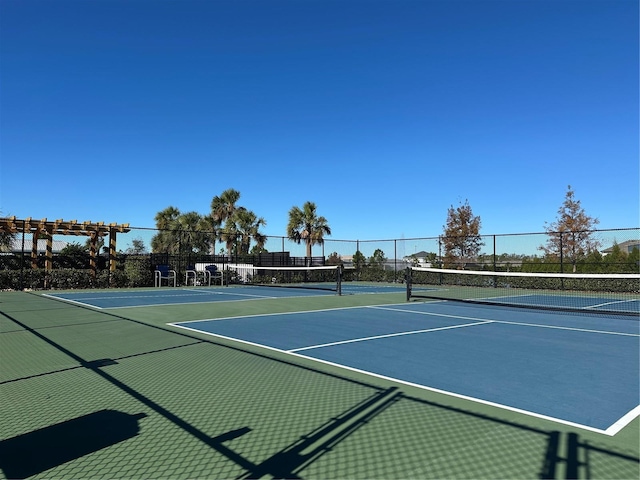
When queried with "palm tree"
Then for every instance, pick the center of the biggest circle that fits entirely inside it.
(247, 228)
(305, 225)
(211, 227)
(166, 240)
(229, 235)
(222, 209)
(193, 236)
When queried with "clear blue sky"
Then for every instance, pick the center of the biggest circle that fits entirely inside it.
(383, 112)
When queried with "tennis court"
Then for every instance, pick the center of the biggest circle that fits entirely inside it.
(612, 294)
(254, 381)
(584, 363)
(176, 296)
(575, 369)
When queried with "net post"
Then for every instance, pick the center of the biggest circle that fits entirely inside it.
(409, 281)
(339, 279)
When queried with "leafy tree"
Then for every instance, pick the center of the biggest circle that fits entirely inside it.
(334, 259)
(74, 249)
(377, 259)
(359, 260)
(415, 261)
(73, 255)
(633, 261)
(99, 244)
(137, 247)
(462, 240)
(255, 250)
(570, 236)
(138, 270)
(616, 260)
(6, 239)
(431, 258)
(305, 225)
(593, 262)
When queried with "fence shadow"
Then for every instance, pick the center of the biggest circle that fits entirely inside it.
(34, 452)
(387, 434)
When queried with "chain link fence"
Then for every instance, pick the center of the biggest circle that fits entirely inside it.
(140, 250)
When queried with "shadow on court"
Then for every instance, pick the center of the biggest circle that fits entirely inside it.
(40, 450)
(382, 432)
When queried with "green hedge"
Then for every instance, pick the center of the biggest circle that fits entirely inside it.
(136, 272)
(530, 283)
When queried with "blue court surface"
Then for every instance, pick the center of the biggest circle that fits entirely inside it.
(593, 303)
(174, 296)
(580, 370)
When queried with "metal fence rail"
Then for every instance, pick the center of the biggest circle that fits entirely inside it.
(612, 251)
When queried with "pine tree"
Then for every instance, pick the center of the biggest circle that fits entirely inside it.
(571, 234)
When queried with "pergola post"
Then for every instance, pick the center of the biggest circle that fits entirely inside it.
(48, 259)
(34, 249)
(92, 253)
(112, 249)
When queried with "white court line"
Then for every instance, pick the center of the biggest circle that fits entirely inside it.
(246, 295)
(364, 339)
(74, 302)
(523, 324)
(617, 302)
(610, 431)
(136, 296)
(158, 293)
(623, 421)
(266, 315)
(534, 304)
(119, 297)
(227, 292)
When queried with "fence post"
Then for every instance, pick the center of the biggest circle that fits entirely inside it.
(24, 225)
(395, 261)
(561, 255)
(494, 253)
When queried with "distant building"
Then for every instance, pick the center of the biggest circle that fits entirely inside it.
(16, 245)
(418, 259)
(626, 247)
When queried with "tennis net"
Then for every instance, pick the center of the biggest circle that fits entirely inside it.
(616, 294)
(327, 277)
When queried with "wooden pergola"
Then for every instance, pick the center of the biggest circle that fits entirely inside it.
(48, 228)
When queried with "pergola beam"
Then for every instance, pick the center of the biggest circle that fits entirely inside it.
(38, 228)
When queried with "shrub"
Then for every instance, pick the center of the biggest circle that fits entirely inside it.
(138, 271)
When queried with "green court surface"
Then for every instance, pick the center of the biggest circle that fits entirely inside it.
(88, 393)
